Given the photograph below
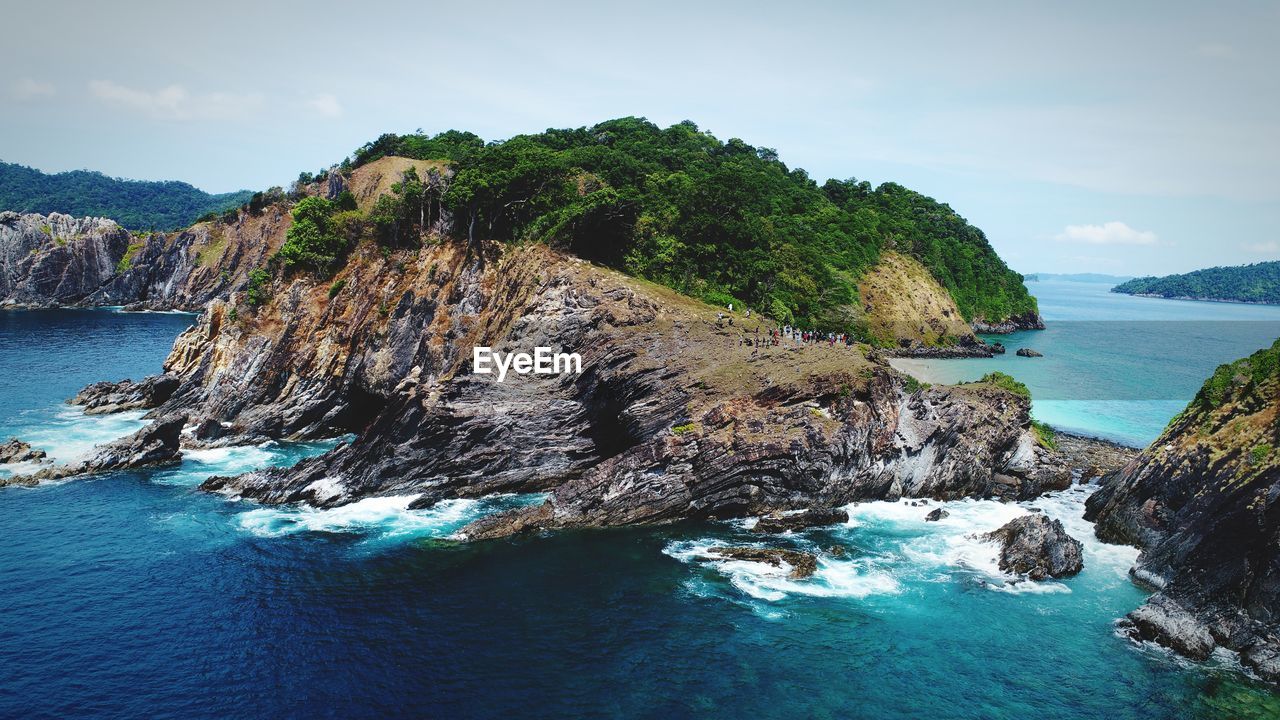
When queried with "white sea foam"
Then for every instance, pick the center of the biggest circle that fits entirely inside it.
(70, 435)
(835, 577)
(899, 546)
(383, 517)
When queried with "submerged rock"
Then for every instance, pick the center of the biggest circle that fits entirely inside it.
(791, 522)
(1035, 546)
(14, 450)
(1028, 352)
(109, 397)
(152, 446)
(802, 564)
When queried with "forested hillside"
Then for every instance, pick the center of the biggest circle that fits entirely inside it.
(135, 204)
(724, 221)
(1256, 283)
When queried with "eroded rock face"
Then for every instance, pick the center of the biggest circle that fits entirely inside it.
(153, 446)
(673, 416)
(109, 397)
(1037, 547)
(56, 259)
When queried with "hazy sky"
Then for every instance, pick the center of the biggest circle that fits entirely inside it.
(1125, 138)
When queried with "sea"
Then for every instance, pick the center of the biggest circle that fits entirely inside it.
(135, 595)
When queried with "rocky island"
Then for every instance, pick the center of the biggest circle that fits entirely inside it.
(352, 304)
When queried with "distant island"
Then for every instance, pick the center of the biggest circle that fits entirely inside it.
(1256, 283)
(1078, 277)
(135, 204)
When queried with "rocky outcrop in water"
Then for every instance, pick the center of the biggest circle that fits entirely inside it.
(56, 259)
(109, 397)
(1028, 353)
(153, 446)
(1201, 502)
(1038, 548)
(1027, 321)
(802, 520)
(14, 450)
(801, 564)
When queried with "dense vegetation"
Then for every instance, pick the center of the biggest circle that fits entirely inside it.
(723, 221)
(135, 204)
(1258, 283)
(1247, 382)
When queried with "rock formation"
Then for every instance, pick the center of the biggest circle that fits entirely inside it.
(1028, 353)
(56, 259)
(14, 450)
(152, 446)
(802, 564)
(801, 520)
(1037, 547)
(109, 397)
(1026, 321)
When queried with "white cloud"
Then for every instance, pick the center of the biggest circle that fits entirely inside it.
(1269, 247)
(326, 105)
(174, 102)
(1110, 233)
(28, 89)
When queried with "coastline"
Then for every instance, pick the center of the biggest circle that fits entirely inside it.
(1195, 299)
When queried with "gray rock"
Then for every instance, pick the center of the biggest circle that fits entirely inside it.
(56, 259)
(936, 515)
(153, 446)
(1029, 353)
(14, 450)
(791, 522)
(802, 564)
(1037, 547)
(1164, 621)
(108, 397)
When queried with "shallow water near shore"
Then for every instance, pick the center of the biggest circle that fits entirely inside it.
(1115, 366)
(135, 595)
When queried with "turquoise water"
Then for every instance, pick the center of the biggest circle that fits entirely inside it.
(134, 595)
(1116, 366)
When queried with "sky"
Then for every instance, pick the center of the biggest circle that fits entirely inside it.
(1126, 138)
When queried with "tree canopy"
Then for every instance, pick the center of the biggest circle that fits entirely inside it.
(721, 220)
(135, 204)
(1256, 283)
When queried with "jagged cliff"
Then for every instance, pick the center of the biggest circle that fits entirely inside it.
(678, 412)
(56, 259)
(1201, 502)
(681, 411)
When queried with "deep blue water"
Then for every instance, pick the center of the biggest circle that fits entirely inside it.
(134, 595)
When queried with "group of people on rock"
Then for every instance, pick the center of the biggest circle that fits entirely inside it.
(815, 337)
(776, 336)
